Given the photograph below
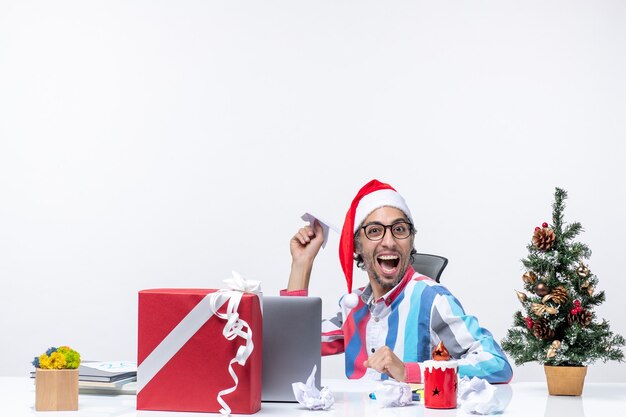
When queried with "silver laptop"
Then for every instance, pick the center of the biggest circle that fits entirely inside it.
(291, 344)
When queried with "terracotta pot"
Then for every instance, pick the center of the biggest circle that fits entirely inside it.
(56, 389)
(565, 380)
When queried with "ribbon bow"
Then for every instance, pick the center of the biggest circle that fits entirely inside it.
(239, 283)
(235, 326)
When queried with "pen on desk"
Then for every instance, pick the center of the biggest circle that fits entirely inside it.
(415, 396)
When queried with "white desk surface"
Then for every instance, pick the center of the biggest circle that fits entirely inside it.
(17, 398)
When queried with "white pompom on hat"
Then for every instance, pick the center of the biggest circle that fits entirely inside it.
(371, 196)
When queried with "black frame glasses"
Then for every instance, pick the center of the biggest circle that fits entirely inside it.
(398, 230)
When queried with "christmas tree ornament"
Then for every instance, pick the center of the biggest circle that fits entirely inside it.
(544, 225)
(585, 317)
(558, 295)
(556, 345)
(586, 285)
(543, 239)
(521, 296)
(537, 309)
(582, 317)
(582, 270)
(571, 317)
(542, 330)
(529, 322)
(529, 277)
(540, 309)
(541, 289)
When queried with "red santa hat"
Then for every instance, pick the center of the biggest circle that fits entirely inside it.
(373, 195)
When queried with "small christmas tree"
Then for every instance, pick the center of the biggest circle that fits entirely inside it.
(557, 325)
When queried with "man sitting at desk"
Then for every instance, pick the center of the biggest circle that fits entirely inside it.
(389, 327)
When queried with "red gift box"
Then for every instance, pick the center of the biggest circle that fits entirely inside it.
(182, 367)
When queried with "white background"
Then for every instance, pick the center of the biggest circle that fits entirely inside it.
(148, 144)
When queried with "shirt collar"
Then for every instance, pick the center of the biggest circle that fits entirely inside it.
(368, 294)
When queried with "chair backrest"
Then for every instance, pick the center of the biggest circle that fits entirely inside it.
(430, 265)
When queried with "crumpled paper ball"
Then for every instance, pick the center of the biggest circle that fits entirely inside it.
(392, 393)
(310, 397)
(477, 396)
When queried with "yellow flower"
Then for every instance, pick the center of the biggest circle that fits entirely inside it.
(44, 361)
(57, 360)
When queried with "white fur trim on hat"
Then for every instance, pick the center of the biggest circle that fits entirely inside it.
(378, 199)
(350, 300)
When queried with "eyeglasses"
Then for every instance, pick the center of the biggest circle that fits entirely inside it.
(399, 230)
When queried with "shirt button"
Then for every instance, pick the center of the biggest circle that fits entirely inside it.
(376, 319)
(373, 350)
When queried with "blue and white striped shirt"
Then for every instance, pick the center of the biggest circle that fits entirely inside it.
(411, 320)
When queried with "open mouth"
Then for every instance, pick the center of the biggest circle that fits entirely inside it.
(388, 263)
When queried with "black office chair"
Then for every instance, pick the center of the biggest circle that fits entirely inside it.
(430, 265)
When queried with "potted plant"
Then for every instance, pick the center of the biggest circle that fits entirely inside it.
(557, 326)
(56, 379)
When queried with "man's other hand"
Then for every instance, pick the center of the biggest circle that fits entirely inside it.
(386, 362)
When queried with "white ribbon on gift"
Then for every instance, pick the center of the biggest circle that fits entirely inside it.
(196, 318)
(235, 327)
